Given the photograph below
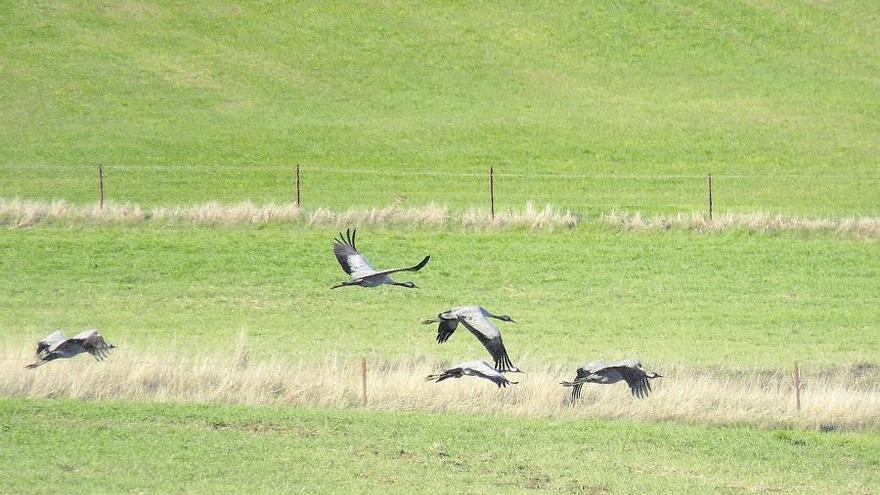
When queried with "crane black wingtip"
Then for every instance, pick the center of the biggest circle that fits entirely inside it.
(347, 238)
(421, 264)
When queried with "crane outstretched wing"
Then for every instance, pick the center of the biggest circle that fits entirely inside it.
(636, 379)
(578, 383)
(445, 330)
(479, 369)
(353, 262)
(490, 337)
(446, 374)
(52, 339)
(413, 268)
(93, 342)
(483, 370)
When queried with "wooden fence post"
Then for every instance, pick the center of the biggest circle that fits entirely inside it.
(710, 197)
(101, 186)
(797, 385)
(492, 192)
(297, 186)
(364, 380)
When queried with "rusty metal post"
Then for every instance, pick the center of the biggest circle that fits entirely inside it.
(710, 197)
(364, 380)
(101, 186)
(297, 186)
(492, 192)
(797, 385)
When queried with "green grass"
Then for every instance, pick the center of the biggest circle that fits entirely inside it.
(87, 447)
(730, 299)
(187, 103)
(591, 107)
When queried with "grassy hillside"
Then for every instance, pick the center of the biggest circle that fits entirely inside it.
(730, 299)
(130, 447)
(200, 101)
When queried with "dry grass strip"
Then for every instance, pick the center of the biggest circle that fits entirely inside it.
(865, 227)
(18, 213)
(845, 399)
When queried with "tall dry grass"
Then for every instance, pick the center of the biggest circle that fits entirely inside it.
(865, 227)
(847, 398)
(17, 213)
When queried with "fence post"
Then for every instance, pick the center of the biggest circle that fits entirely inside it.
(710, 197)
(364, 380)
(101, 186)
(797, 385)
(297, 186)
(492, 192)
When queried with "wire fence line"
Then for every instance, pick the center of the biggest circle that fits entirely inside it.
(329, 170)
(342, 188)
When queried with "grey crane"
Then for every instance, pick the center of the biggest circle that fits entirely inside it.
(476, 319)
(629, 370)
(479, 369)
(57, 346)
(359, 269)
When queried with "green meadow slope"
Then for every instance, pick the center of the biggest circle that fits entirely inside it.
(204, 101)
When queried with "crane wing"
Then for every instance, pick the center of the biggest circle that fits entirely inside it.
(479, 325)
(353, 262)
(578, 383)
(445, 330)
(51, 340)
(593, 367)
(636, 379)
(413, 268)
(485, 371)
(93, 342)
(446, 374)
(490, 337)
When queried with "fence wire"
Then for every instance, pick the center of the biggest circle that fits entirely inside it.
(347, 188)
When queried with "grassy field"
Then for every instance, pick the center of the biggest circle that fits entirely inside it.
(612, 111)
(638, 101)
(729, 299)
(116, 447)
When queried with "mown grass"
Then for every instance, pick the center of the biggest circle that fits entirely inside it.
(113, 447)
(719, 299)
(202, 101)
